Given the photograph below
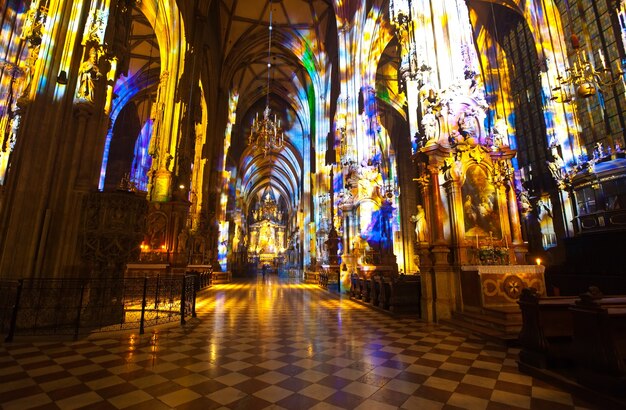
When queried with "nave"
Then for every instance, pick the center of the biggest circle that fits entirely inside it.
(274, 343)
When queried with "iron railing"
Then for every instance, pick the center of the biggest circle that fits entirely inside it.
(62, 306)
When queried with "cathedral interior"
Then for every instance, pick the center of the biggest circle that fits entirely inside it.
(475, 147)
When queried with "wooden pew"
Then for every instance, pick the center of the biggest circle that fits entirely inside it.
(600, 342)
(547, 330)
(405, 294)
(323, 280)
(365, 285)
(355, 291)
(375, 283)
(385, 293)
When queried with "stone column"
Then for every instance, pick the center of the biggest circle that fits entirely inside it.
(517, 242)
(437, 211)
(442, 270)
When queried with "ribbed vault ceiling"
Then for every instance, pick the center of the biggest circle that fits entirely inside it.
(299, 32)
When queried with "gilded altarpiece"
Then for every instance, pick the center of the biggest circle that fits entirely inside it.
(267, 241)
(471, 206)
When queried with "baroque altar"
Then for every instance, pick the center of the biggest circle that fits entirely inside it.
(267, 243)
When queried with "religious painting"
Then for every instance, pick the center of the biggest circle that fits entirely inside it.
(480, 204)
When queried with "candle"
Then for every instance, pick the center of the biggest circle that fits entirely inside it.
(476, 241)
(602, 59)
(506, 244)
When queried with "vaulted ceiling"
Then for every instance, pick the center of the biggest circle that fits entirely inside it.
(299, 37)
(303, 53)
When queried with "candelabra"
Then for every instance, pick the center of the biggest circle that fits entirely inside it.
(266, 135)
(584, 76)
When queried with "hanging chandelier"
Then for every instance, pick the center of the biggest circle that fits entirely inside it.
(266, 135)
(584, 77)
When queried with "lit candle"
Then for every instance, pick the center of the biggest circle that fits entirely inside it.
(538, 261)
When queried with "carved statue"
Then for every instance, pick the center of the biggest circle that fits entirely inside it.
(32, 28)
(183, 236)
(369, 180)
(421, 228)
(87, 74)
(467, 125)
(95, 27)
(523, 199)
(499, 132)
(556, 165)
(429, 122)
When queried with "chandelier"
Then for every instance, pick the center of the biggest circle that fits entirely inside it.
(586, 78)
(266, 135)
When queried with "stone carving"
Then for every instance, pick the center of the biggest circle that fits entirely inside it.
(430, 125)
(88, 73)
(34, 21)
(95, 27)
(421, 228)
(556, 164)
(499, 132)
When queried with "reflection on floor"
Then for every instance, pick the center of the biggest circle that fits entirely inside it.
(274, 344)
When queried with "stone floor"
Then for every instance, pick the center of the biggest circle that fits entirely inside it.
(274, 344)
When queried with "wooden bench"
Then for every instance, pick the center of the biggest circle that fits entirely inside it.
(355, 290)
(375, 283)
(405, 294)
(366, 289)
(385, 293)
(599, 342)
(221, 277)
(547, 329)
(323, 280)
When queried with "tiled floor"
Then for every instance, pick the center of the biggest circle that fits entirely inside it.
(274, 344)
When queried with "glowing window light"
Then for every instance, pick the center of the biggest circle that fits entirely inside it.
(142, 161)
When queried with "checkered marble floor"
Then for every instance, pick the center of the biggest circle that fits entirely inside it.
(274, 344)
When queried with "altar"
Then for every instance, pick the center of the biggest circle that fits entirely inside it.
(267, 239)
(499, 285)
(489, 295)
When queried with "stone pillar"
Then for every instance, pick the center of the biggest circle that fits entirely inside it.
(453, 191)
(437, 211)
(517, 243)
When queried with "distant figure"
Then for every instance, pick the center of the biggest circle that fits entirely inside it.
(264, 270)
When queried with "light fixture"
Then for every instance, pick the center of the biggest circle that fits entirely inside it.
(266, 135)
(62, 77)
(584, 77)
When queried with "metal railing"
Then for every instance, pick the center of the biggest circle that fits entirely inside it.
(63, 306)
